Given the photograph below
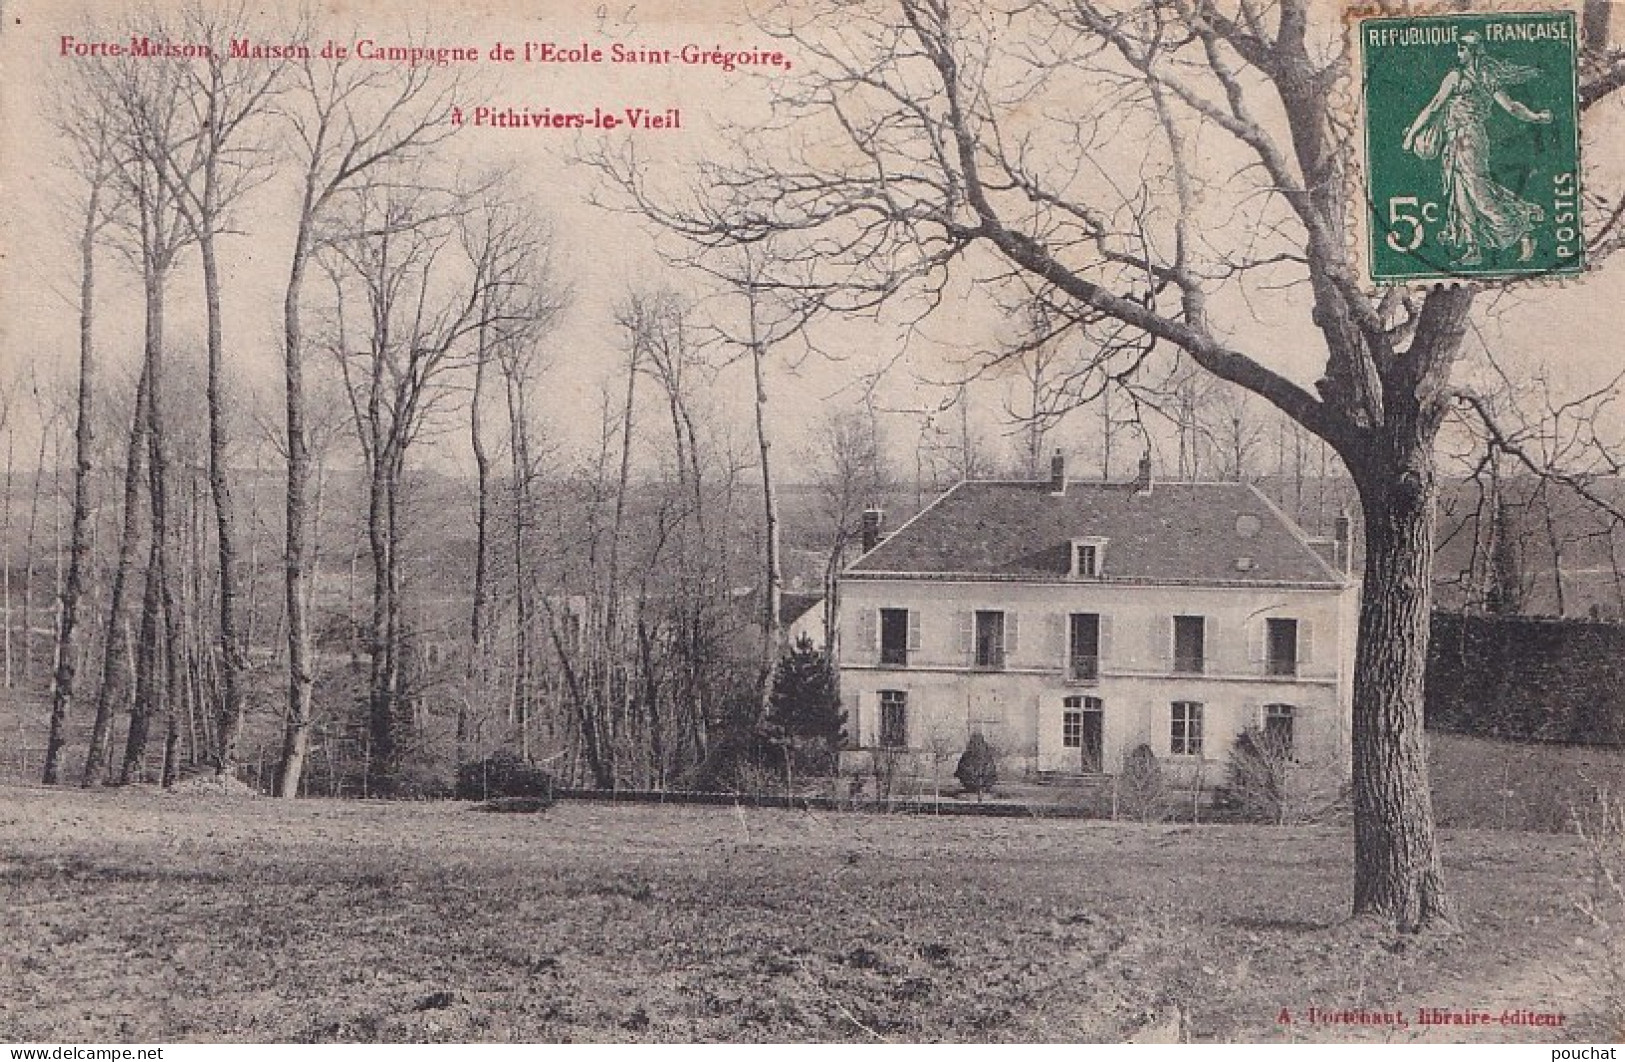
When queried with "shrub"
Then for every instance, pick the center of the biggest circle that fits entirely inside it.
(885, 765)
(1265, 783)
(503, 774)
(1142, 793)
(1256, 777)
(516, 805)
(978, 769)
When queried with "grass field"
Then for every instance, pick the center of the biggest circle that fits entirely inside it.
(136, 915)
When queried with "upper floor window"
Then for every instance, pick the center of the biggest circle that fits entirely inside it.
(894, 636)
(1185, 729)
(893, 719)
(1083, 646)
(1190, 637)
(1088, 557)
(989, 643)
(1281, 646)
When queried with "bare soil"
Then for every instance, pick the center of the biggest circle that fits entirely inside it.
(136, 915)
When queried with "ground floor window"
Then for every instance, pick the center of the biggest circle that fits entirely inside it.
(893, 719)
(1185, 730)
(1278, 726)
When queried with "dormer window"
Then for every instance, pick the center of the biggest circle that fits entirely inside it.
(1088, 558)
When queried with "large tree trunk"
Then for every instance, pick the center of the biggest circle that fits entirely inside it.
(233, 657)
(381, 634)
(1397, 873)
(773, 574)
(523, 692)
(301, 669)
(477, 621)
(148, 668)
(79, 537)
(154, 690)
(114, 644)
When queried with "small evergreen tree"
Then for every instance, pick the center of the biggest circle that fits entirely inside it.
(806, 706)
(1506, 592)
(1141, 791)
(978, 769)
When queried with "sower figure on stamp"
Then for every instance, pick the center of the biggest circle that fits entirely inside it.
(1454, 128)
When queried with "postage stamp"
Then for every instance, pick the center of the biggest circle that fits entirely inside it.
(1471, 146)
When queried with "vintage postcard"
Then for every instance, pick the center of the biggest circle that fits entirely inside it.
(811, 521)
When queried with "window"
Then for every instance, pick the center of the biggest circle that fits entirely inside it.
(1281, 647)
(893, 719)
(1083, 647)
(990, 639)
(1278, 720)
(1185, 731)
(1087, 555)
(1189, 639)
(894, 636)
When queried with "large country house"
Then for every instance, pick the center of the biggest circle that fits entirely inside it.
(1071, 622)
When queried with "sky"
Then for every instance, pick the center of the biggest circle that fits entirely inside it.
(1569, 329)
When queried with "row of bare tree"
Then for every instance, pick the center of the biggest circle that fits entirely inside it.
(618, 608)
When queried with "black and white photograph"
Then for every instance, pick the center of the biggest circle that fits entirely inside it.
(812, 521)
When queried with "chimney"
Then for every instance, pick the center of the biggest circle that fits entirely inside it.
(1142, 481)
(1057, 473)
(872, 519)
(1342, 534)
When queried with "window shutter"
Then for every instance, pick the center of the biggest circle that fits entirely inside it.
(967, 634)
(1162, 640)
(1012, 633)
(854, 718)
(1056, 640)
(869, 630)
(1257, 642)
(1105, 638)
(913, 630)
(1306, 643)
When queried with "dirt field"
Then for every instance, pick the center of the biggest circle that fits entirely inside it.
(143, 916)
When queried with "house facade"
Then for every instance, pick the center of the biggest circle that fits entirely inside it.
(1071, 622)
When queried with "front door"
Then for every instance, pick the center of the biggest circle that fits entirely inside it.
(1083, 733)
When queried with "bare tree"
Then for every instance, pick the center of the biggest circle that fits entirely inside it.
(207, 168)
(849, 470)
(347, 121)
(149, 103)
(115, 643)
(923, 143)
(92, 160)
(1237, 431)
(419, 304)
(520, 298)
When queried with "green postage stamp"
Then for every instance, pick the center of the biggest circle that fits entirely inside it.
(1472, 150)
